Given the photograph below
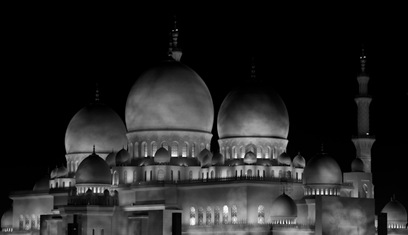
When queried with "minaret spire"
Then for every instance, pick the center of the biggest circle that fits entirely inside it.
(97, 93)
(364, 141)
(174, 50)
(253, 74)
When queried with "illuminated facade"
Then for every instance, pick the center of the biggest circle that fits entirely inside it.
(156, 175)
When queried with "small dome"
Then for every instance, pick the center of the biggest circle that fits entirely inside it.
(357, 165)
(59, 172)
(97, 125)
(162, 155)
(284, 159)
(7, 219)
(93, 170)
(284, 206)
(169, 96)
(122, 157)
(218, 159)
(205, 157)
(254, 110)
(250, 158)
(322, 169)
(111, 159)
(396, 212)
(299, 161)
(43, 184)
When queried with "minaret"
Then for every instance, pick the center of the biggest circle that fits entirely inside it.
(174, 51)
(363, 141)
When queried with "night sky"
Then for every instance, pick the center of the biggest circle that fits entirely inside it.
(54, 58)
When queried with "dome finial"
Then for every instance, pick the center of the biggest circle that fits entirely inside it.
(174, 50)
(97, 93)
(363, 59)
(253, 75)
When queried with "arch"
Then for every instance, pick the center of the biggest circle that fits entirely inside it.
(192, 216)
(249, 172)
(160, 175)
(280, 174)
(184, 152)
(171, 175)
(202, 147)
(288, 174)
(268, 152)
(259, 152)
(178, 175)
(272, 173)
(227, 153)
(174, 149)
(225, 212)
(125, 177)
(151, 175)
(234, 152)
(208, 215)
(212, 174)
(200, 216)
(190, 175)
(154, 147)
(297, 175)
(217, 215)
(261, 214)
(134, 176)
(63, 184)
(234, 214)
(136, 149)
(144, 149)
(242, 152)
(193, 146)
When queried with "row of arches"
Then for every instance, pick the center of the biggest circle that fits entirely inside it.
(72, 166)
(176, 149)
(322, 191)
(259, 151)
(220, 215)
(29, 222)
(63, 184)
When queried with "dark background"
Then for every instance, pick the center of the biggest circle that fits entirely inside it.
(54, 55)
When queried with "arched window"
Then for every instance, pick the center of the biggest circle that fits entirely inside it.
(145, 176)
(151, 175)
(192, 216)
(234, 214)
(249, 173)
(225, 213)
(200, 216)
(178, 175)
(258, 152)
(212, 174)
(227, 153)
(272, 173)
(174, 149)
(280, 174)
(268, 152)
(242, 152)
(184, 152)
(190, 175)
(171, 175)
(144, 149)
(241, 173)
(136, 149)
(134, 176)
(208, 216)
(288, 174)
(63, 184)
(160, 175)
(21, 223)
(154, 148)
(263, 174)
(124, 177)
(56, 184)
(33, 222)
(217, 215)
(27, 224)
(297, 175)
(193, 150)
(234, 152)
(261, 214)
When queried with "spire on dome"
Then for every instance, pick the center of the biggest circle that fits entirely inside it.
(97, 93)
(253, 74)
(93, 151)
(174, 50)
(363, 60)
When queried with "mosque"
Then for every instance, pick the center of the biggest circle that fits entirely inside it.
(155, 173)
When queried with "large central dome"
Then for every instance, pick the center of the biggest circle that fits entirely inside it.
(169, 96)
(254, 111)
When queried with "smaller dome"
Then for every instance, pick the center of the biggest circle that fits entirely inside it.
(111, 159)
(284, 207)
(93, 170)
(59, 172)
(299, 161)
(205, 157)
(250, 158)
(357, 165)
(7, 219)
(396, 212)
(43, 184)
(322, 169)
(122, 157)
(284, 159)
(162, 155)
(218, 159)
